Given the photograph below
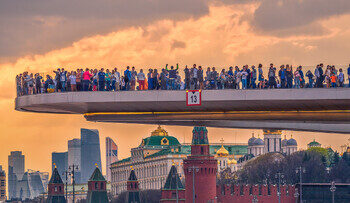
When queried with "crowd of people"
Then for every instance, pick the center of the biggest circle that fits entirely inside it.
(169, 78)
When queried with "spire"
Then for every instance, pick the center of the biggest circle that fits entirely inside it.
(173, 181)
(200, 136)
(55, 178)
(97, 175)
(132, 176)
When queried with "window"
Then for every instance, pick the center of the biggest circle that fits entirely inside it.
(60, 188)
(173, 195)
(2, 182)
(102, 185)
(96, 186)
(202, 150)
(55, 188)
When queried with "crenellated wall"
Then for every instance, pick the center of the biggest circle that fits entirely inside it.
(246, 193)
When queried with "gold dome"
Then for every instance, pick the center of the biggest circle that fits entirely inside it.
(268, 132)
(159, 132)
(222, 152)
(231, 161)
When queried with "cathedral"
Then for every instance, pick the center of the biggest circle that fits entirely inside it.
(271, 143)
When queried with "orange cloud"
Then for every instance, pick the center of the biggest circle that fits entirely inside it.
(222, 37)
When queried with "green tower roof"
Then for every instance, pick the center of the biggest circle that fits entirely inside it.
(97, 175)
(173, 181)
(200, 136)
(55, 178)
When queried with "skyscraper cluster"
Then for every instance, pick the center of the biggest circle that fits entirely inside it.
(24, 184)
(83, 153)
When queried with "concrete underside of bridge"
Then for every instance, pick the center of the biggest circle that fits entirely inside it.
(321, 110)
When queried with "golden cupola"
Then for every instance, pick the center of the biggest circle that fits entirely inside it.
(159, 132)
(222, 152)
(231, 161)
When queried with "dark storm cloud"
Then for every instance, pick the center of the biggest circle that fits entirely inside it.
(37, 26)
(274, 15)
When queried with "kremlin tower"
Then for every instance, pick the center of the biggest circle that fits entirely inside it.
(97, 188)
(200, 169)
(56, 188)
(133, 188)
(173, 191)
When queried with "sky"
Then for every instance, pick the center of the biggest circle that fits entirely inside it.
(40, 35)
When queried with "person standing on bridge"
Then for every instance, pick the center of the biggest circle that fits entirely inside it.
(163, 79)
(311, 79)
(341, 78)
(194, 76)
(141, 80)
(261, 76)
(108, 80)
(200, 77)
(172, 75)
(133, 78)
(101, 80)
(115, 80)
(127, 78)
(150, 79)
(282, 76)
(187, 78)
(73, 81)
(253, 77)
(86, 79)
(289, 76)
(272, 76)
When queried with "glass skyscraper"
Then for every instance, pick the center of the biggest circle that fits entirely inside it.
(74, 158)
(60, 160)
(15, 172)
(90, 153)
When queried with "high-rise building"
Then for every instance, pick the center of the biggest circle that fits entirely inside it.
(15, 172)
(60, 162)
(2, 184)
(31, 185)
(74, 157)
(111, 156)
(90, 153)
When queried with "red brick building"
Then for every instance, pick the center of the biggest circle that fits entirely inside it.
(173, 190)
(200, 168)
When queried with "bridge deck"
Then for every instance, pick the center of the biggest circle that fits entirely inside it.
(324, 110)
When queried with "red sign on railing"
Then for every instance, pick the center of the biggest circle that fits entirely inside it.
(194, 97)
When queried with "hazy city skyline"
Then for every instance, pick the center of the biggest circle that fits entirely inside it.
(217, 33)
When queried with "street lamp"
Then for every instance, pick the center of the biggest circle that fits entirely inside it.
(300, 170)
(279, 175)
(296, 195)
(72, 169)
(193, 169)
(332, 190)
(66, 173)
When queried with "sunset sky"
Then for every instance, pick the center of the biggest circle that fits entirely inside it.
(40, 35)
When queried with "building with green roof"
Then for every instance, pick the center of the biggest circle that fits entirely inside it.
(313, 144)
(154, 157)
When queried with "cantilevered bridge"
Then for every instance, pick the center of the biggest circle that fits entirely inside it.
(320, 110)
